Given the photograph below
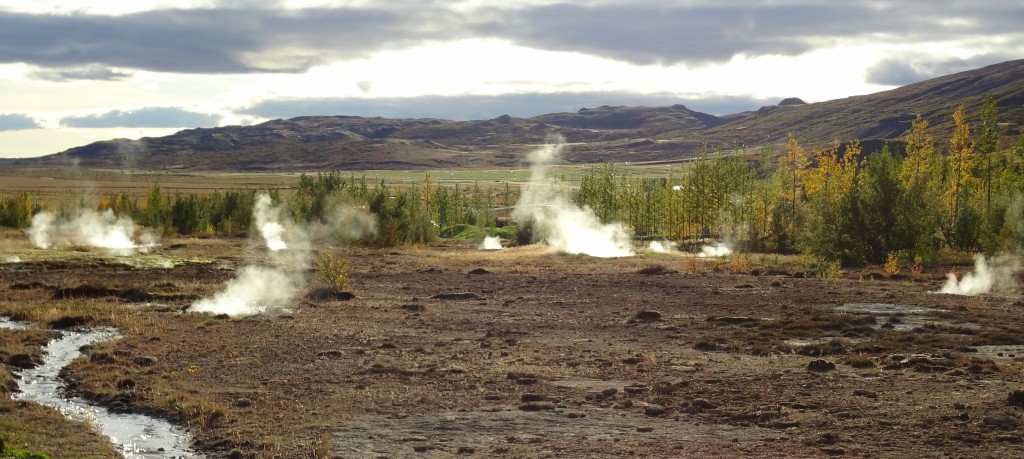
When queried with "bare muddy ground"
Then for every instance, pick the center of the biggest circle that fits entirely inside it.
(450, 351)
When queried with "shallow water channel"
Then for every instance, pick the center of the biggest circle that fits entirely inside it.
(136, 435)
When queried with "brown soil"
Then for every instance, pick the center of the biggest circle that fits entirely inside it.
(537, 354)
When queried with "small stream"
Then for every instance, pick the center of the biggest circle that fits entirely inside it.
(137, 436)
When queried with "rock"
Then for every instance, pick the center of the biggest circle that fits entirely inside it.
(456, 296)
(122, 352)
(329, 294)
(101, 357)
(243, 402)
(609, 392)
(635, 389)
(69, 322)
(1001, 421)
(479, 271)
(865, 393)
(126, 384)
(647, 316)
(492, 397)
(733, 320)
(537, 406)
(706, 346)
(414, 308)
(645, 429)
(144, 361)
(466, 450)
(23, 361)
(654, 410)
(820, 366)
(1016, 398)
(528, 397)
(704, 404)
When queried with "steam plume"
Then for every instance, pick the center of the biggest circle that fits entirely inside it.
(274, 286)
(983, 279)
(491, 243)
(561, 224)
(90, 228)
(269, 223)
(717, 250)
(661, 247)
(256, 290)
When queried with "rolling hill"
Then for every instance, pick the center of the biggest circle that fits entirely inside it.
(594, 135)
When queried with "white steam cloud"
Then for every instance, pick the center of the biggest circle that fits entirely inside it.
(273, 288)
(561, 224)
(269, 223)
(93, 229)
(256, 290)
(491, 243)
(717, 250)
(661, 246)
(12, 259)
(984, 278)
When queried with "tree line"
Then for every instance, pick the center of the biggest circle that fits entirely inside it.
(914, 202)
(965, 194)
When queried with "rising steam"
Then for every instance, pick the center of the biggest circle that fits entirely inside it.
(92, 229)
(256, 290)
(273, 287)
(269, 223)
(717, 250)
(561, 224)
(661, 246)
(983, 279)
(491, 243)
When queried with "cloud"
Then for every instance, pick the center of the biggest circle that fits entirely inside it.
(903, 70)
(244, 37)
(476, 107)
(17, 122)
(88, 72)
(156, 117)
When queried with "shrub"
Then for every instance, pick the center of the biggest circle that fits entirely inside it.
(332, 271)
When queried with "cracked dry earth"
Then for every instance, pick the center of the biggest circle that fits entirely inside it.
(450, 351)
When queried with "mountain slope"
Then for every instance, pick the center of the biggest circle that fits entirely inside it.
(595, 135)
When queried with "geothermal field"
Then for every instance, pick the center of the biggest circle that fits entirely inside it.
(586, 344)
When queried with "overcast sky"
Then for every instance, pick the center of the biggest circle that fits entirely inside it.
(73, 72)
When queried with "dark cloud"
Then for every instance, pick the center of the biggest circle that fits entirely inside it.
(912, 69)
(17, 122)
(154, 117)
(487, 107)
(238, 37)
(89, 72)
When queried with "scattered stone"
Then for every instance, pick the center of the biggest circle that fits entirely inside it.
(413, 307)
(609, 392)
(706, 346)
(703, 404)
(820, 366)
(126, 384)
(243, 402)
(733, 320)
(644, 429)
(466, 450)
(656, 269)
(537, 406)
(528, 397)
(479, 271)
(122, 352)
(1016, 398)
(329, 294)
(634, 390)
(865, 393)
(744, 286)
(456, 296)
(69, 322)
(492, 397)
(647, 316)
(1001, 421)
(654, 410)
(101, 357)
(144, 361)
(334, 354)
(23, 361)
(776, 284)
(432, 270)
